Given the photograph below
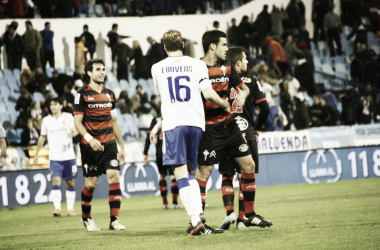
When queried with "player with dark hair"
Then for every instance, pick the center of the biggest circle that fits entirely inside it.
(250, 129)
(222, 133)
(96, 120)
(162, 169)
(59, 129)
(180, 81)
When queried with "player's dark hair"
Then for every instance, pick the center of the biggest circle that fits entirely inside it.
(57, 99)
(211, 36)
(91, 62)
(235, 54)
(46, 24)
(85, 26)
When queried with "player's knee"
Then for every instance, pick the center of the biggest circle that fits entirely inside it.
(91, 187)
(70, 183)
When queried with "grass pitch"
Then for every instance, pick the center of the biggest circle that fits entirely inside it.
(341, 215)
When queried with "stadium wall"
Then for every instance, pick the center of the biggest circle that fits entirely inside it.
(31, 187)
(139, 28)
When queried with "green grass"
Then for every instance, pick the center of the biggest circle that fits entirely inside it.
(342, 215)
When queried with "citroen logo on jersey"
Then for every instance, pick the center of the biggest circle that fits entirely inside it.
(108, 96)
(100, 105)
(223, 68)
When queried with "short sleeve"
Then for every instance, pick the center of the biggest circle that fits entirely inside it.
(204, 81)
(79, 104)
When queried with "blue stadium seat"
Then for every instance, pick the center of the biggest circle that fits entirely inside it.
(124, 84)
(60, 70)
(38, 97)
(49, 72)
(347, 30)
(69, 71)
(8, 73)
(12, 137)
(99, 10)
(339, 59)
(372, 39)
(90, 10)
(4, 117)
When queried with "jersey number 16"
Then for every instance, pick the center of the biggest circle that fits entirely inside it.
(178, 87)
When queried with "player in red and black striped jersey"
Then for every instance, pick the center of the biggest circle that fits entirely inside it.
(96, 120)
(222, 133)
(245, 121)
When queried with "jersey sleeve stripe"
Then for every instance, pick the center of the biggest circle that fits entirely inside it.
(78, 113)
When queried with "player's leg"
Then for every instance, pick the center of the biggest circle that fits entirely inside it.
(203, 174)
(174, 189)
(69, 171)
(114, 198)
(240, 219)
(56, 170)
(163, 183)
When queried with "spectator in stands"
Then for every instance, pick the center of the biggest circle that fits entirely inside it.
(267, 90)
(266, 17)
(333, 27)
(188, 49)
(301, 117)
(302, 11)
(48, 96)
(16, 9)
(29, 9)
(13, 46)
(59, 80)
(29, 136)
(332, 114)
(362, 53)
(79, 58)
(24, 102)
(232, 33)
(36, 113)
(375, 14)
(366, 107)
(155, 53)
(370, 69)
(278, 16)
(89, 6)
(258, 35)
(279, 59)
(123, 102)
(27, 80)
(46, 7)
(3, 8)
(112, 38)
(65, 8)
(360, 32)
(294, 22)
(291, 51)
(47, 54)
(122, 56)
(124, 8)
(303, 36)
(319, 116)
(139, 7)
(40, 80)
(320, 9)
(215, 25)
(262, 71)
(350, 103)
(140, 67)
(134, 105)
(305, 74)
(355, 66)
(90, 42)
(32, 45)
(67, 94)
(286, 101)
(244, 33)
(143, 95)
(155, 103)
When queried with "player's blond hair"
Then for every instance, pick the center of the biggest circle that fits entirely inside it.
(172, 40)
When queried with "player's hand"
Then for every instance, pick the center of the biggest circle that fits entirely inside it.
(153, 137)
(145, 159)
(241, 96)
(36, 160)
(226, 107)
(96, 145)
(121, 157)
(257, 133)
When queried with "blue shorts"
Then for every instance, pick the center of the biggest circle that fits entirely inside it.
(180, 146)
(63, 169)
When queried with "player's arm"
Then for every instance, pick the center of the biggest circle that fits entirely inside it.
(94, 143)
(147, 140)
(74, 132)
(242, 94)
(119, 139)
(210, 95)
(40, 144)
(3, 151)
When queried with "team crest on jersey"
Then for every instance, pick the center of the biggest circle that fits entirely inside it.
(243, 147)
(114, 163)
(242, 123)
(108, 96)
(223, 68)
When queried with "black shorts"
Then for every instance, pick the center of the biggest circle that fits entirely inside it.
(227, 164)
(96, 163)
(222, 139)
(163, 170)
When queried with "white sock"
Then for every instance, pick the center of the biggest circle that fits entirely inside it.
(186, 195)
(70, 199)
(196, 195)
(56, 197)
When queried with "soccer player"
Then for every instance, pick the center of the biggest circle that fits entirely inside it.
(3, 146)
(250, 129)
(180, 80)
(163, 170)
(59, 129)
(222, 133)
(96, 120)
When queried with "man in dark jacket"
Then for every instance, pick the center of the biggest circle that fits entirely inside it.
(113, 36)
(122, 56)
(47, 54)
(59, 81)
(13, 46)
(32, 42)
(90, 42)
(65, 8)
(267, 19)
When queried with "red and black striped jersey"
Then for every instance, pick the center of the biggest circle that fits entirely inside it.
(96, 110)
(256, 96)
(223, 78)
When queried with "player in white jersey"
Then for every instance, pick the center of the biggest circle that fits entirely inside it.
(3, 146)
(180, 80)
(59, 130)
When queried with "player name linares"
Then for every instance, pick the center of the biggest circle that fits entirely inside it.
(171, 69)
